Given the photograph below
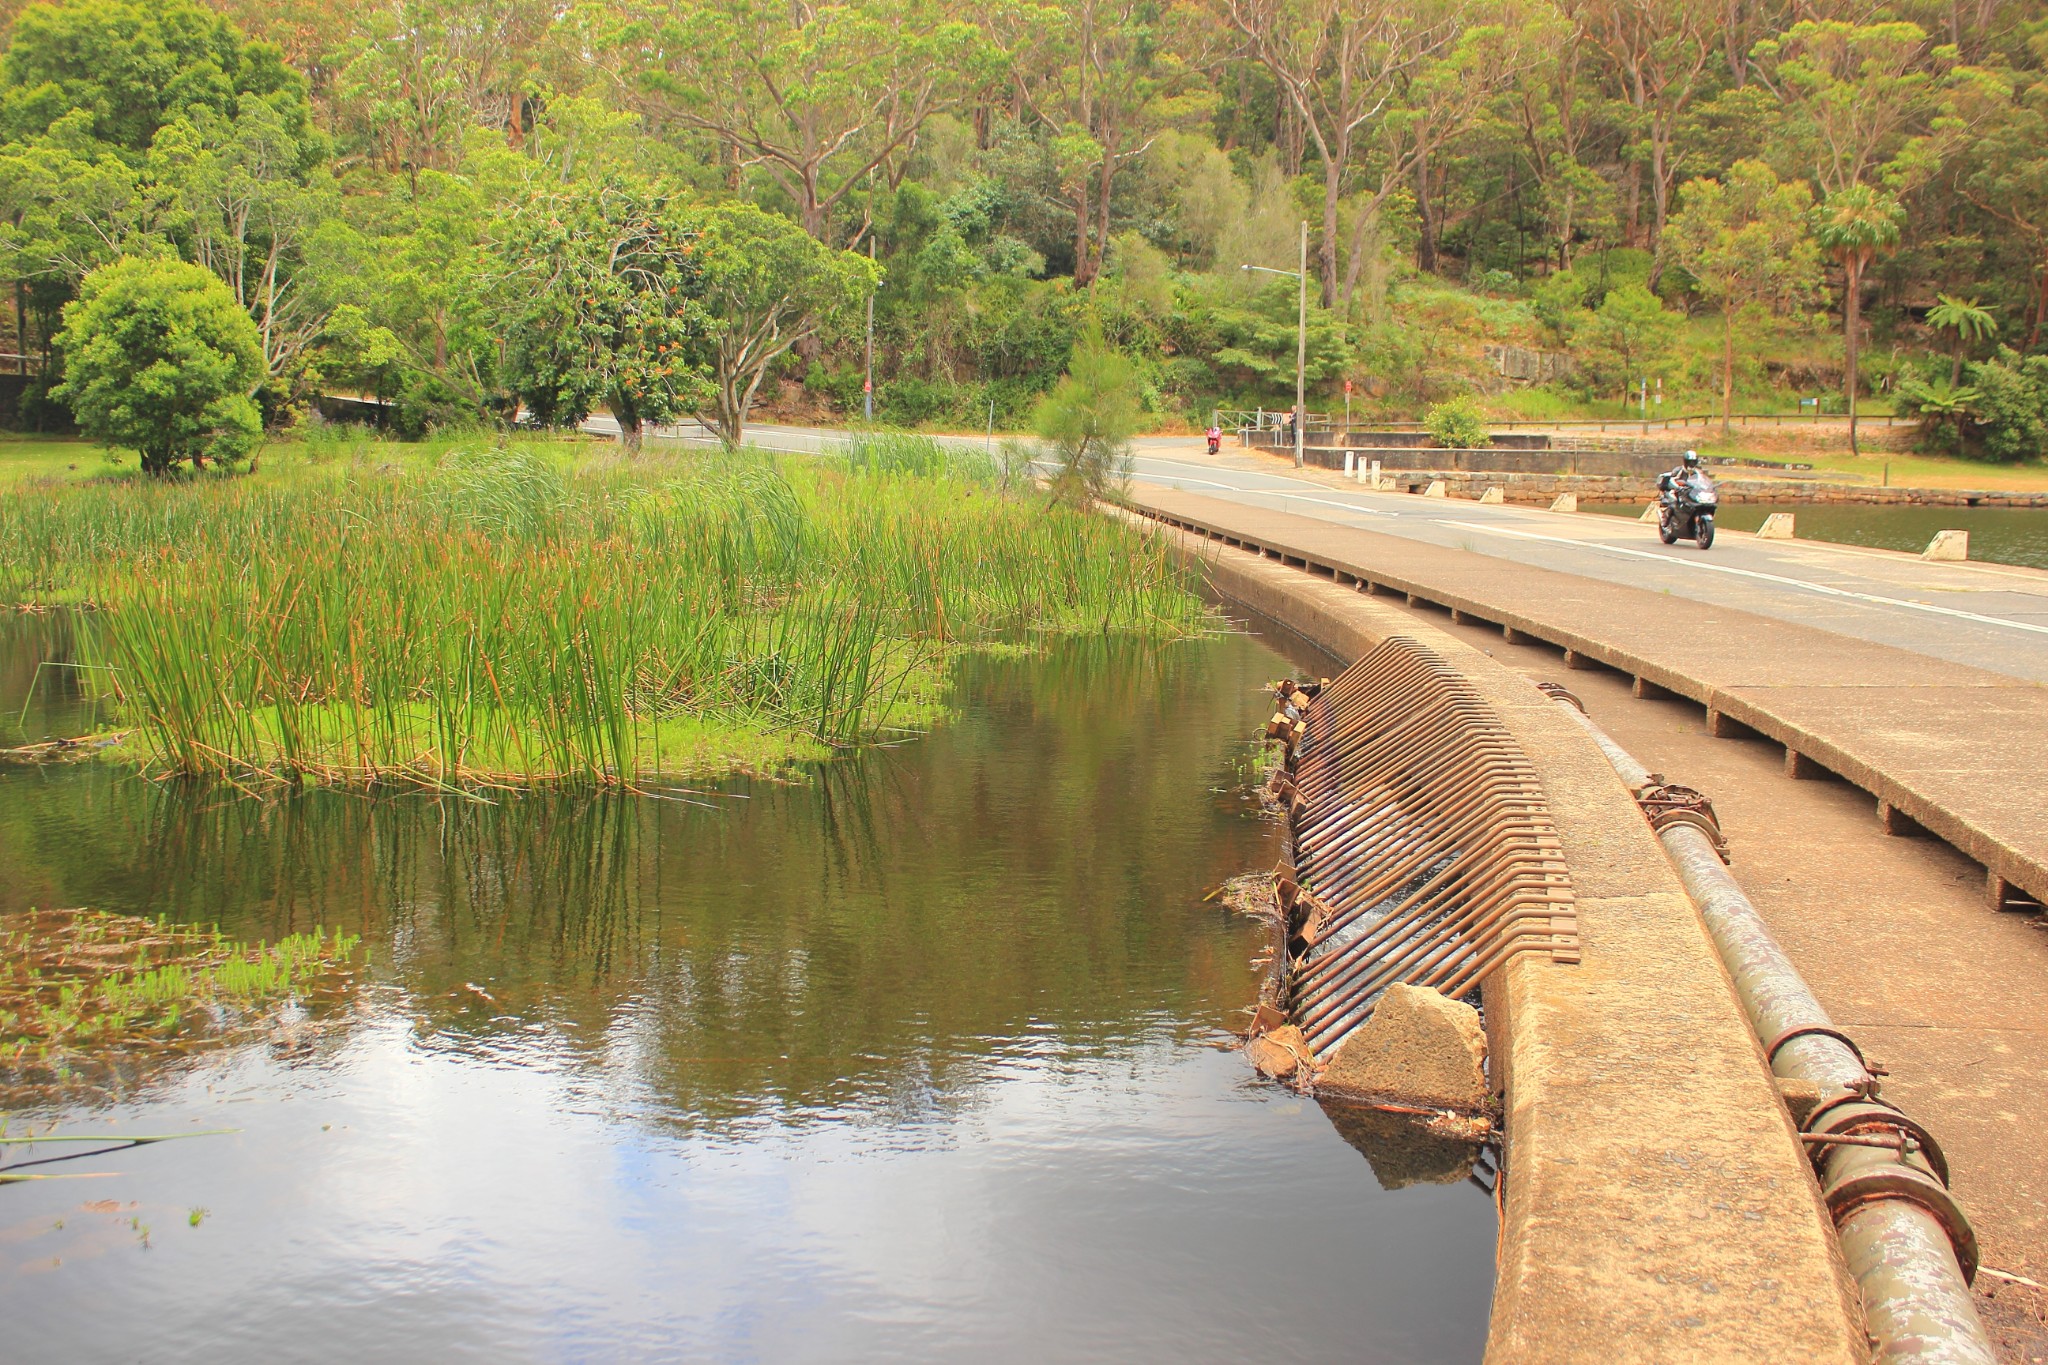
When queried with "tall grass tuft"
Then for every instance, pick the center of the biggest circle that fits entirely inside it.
(500, 616)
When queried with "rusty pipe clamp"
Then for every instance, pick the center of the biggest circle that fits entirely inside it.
(1667, 803)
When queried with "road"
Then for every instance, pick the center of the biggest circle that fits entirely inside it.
(1987, 615)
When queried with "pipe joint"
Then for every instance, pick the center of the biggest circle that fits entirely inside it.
(1872, 1177)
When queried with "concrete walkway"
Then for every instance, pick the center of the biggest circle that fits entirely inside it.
(1956, 750)
(1891, 935)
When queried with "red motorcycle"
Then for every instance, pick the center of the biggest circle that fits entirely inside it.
(1215, 440)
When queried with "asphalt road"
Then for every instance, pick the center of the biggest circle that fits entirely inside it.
(1991, 616)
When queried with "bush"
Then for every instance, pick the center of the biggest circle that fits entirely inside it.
(160, 359)
(1457, 425)
(2010, 407)
(1087, 422)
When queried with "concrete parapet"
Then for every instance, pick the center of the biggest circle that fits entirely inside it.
(1658, 1204)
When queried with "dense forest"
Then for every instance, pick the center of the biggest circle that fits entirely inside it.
(675, 207)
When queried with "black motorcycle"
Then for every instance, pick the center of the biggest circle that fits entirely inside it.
(1685, 511)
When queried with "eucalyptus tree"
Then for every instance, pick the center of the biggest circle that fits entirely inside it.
(1100, 78)
(1661, 55)
(766, 287)
(818, 97)
(1859, 97)
(1743, 239)
(419, 73)
(1378, 86)
(249, 198)
(86, 86)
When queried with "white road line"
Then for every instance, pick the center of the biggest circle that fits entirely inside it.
(1822, 589)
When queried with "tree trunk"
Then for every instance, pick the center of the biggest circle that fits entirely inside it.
(1727, 366)
(1852, 313)
(1084, 271)
(1425, 217)
(1326, 250)
(2040, 307)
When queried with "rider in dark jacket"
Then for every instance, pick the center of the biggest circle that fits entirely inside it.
(1682, 475)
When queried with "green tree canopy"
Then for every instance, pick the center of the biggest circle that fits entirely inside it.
(134, 66)
(1745, 244)
(602, 286)
(768, 286)
(161, 359)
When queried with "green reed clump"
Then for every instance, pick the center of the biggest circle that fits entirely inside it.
(499, 615)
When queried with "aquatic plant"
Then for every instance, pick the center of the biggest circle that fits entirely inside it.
(503, 616)
(88, 997)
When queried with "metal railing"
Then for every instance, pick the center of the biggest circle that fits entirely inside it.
(1422, 851)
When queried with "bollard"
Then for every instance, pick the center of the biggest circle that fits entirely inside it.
(1376, 474)
(1493, 496)
(1777, 526)
(1566, 502)
(1949, 546)
(1350, 464)
(1435, 490)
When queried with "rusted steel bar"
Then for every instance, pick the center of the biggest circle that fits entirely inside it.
(1882, 1176)
(1421, 851)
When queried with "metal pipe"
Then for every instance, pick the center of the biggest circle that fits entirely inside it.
(1905, 1239)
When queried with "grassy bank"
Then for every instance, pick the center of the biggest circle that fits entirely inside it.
(546, 612)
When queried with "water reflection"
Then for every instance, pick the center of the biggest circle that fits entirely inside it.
(915, 1059)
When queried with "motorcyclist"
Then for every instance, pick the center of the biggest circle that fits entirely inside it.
(1688, 469)
(1215, 438)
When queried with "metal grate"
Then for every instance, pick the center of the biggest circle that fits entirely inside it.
(1422, 852)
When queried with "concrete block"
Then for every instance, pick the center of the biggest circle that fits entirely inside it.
(1350, 464)
(1721, 725)
(1802, 766)
(1777, 526)
(1493, 496)
(1418, 1048)
(1575, 660)
(1565, 502)
(1649, 513)
(1950, 546)
(1435, 489)
(1645, 690)
(1897, 823)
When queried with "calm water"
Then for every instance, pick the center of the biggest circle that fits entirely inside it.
(918, 1061)
(1999, 535)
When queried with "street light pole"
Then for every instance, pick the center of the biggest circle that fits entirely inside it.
(1300, 341)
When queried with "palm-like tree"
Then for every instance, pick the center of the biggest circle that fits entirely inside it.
(1853, 225)
(1968, 319)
